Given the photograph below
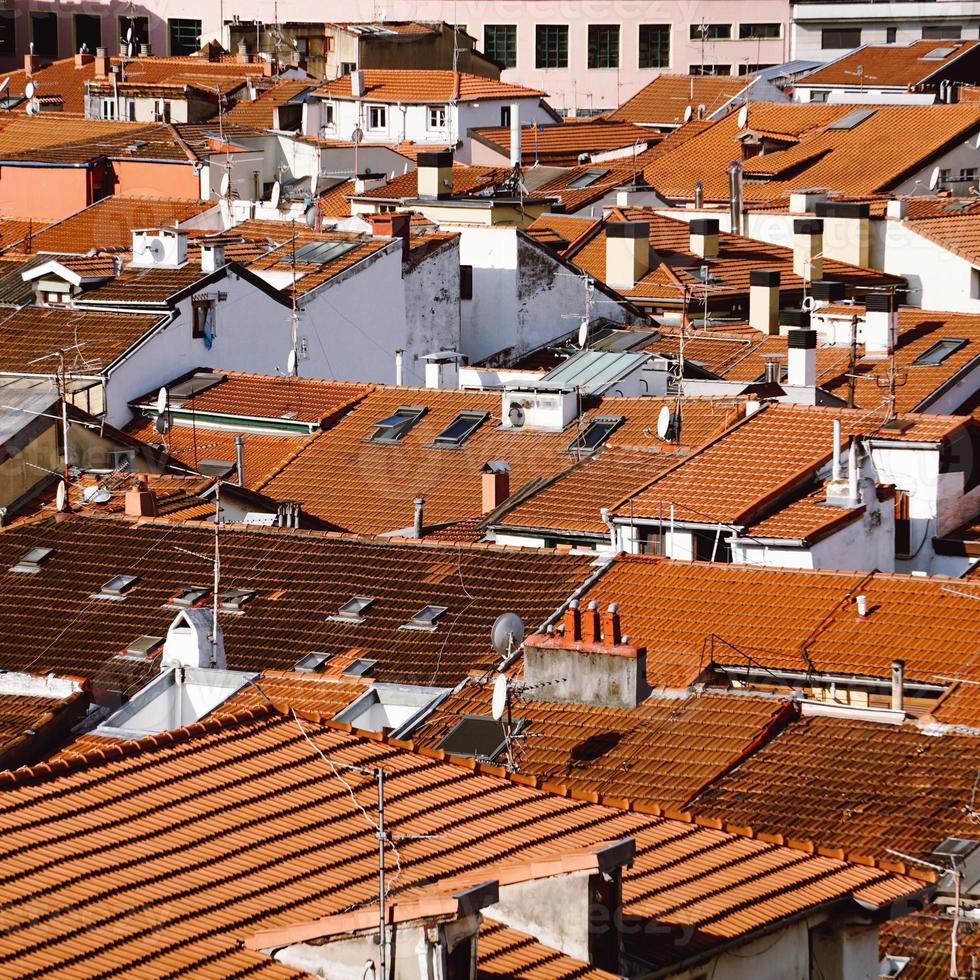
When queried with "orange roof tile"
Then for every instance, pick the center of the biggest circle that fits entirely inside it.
(466, 180)
(196, 799)
(425, 85)
(562, 143)
(807, 520)
(31, 724)
(664, 101)
(885, 65)
(506, 952)
(260, 112)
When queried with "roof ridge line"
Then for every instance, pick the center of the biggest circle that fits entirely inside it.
(620, 802)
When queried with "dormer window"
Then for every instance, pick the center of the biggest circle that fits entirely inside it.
(425, 618)
(395, 426)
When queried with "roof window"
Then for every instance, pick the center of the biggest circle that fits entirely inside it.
(425, 618)
(362, 667)
(235, 600)
(587, 178)
(32, 561)
(937, 54)
(851, 119)
(459, 430)
(939, 351)
(186, 598)
(595, 433)
(395, 426)
(313, 662)
(479, 737)
(117, 586)
(353, 610)
(144, 646)
(321, 252)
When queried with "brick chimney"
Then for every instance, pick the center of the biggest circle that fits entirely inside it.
(83, 58)
(764, 300)
(141, 502)
(627, 253)
(495, 483)
(102, 63)
(392, 224)
(704, 237)
(435, 174)
(589, 662)
(808, 248)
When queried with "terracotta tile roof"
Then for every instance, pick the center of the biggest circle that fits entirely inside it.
(705, 347)
(425, 85)
(260, 112)
(143, 286)
(611, 174)
(749, 363)
(33, 330)
(301, 579)
(765, 457)
(902, 65)
(925, 938)
(407, 148)
(564, 228)
(406, 27)
(561, 144)
(959, 705)
(845, 159)
(662, 752)
(957, 233)
(64, 79)
(505, 952)
(30, 725)
(466, 180)
(730, 271)
(109, 224)
(177, 497)
(796, 784)
(333, 203)
(663, 101)
(198, 798)
(807, 519)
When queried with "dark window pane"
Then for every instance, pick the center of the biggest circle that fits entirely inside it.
(942, 32)
(185, 36)
(88, 32)
(603, 45)
(754, 31)
(832, 38)
(551, 46)
(711, 32)
(141, 33)
(500, 44)
(466, 282)
(44, 34)
(654, 45)
(8, 37)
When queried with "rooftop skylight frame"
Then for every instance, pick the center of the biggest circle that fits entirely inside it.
(398, 424)
(144, 646)
(31, 562)
(595, 433)
(460, 429)
(362, 667)
(235, 600)
(352, 611)
(313, 662)
(323, 251)
(851, 119)
(939, 351)
(117, 587)
(189, 597)
(479, 737)
(587, 178)
(425, 619)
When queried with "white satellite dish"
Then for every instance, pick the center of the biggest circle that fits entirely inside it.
(507, 633)
(311, 217)
(29, 90)
(499, 703)
(664, 420)
(96, 495)
(934, 178)
(276, 191)
(129, 34)
(61, 496)
(743, 116)
(161, 401)
(583, 334)
(32, 108)
(688, 112)
(291, 362)
(807, 304)
(357, 135)
(4, 84)
(225, 184)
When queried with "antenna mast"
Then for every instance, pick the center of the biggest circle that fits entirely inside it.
(217, 577)
(293, 318)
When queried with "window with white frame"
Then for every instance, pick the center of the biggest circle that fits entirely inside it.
(437, 117)
(108, 109)
(377, 117)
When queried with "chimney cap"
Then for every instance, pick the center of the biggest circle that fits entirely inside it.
(880, 303)
(435, 158)
(808, 226)
(704, 226)
(628, 229)
(763, 277)
(496, 466)
(827, 290)
(841, 209)
(801, 339)
(794, 318)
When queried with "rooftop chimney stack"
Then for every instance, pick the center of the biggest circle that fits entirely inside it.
(140, 501)
(83, 58)
(102, 63)
(802, 344)
(846, 232)
(240, 459)
(212, 256)
(392, 224)
(627, 253)
(573, 623)
(515, 134)
(898, 685)
(880, 324)
(704, 237)
(435, 175)
(357, 83)
(825, 292)
(764, 300)
(243, 58)
(808, 248)
(495, 481)
(33, 61)
(418, 523)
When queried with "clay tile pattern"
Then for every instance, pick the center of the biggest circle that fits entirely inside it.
(506, 952)
(51, 621)
(168, 854)
(892, 64)
(429, 85)
(925, 938)
(664, 100)
(807, 519)
(561, 144)
(662, 752)
(30, 724)
(259, 112)
(856, 785)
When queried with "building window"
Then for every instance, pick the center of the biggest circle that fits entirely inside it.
(551, 46)
(603, 45)
(108, 109)
(711, 32)
(185, 36)
(161, 110)
(818, 96)
(346, 67)
(891, 35)
(500, 44)
(942, 32)
(654, 46)
(131, 110)
(88, 32)
(8, 36)
(377, 117)
(466, 282)
(327, 116)
(752, 69)
(711, 546)
(939, 351)
(141, 33)
(44, 34)
(903, 524)
(650, 541)
(505, 115)
(203, 324)
(754, 32)
(834, 38)
(710, 69)
(437, 117)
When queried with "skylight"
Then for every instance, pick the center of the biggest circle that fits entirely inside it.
(32, 561)
(235, 600)
(939, 351)
(937, 54)
(354, 609)
(595, 433)
(587, 178)
(321, 252)
(313, 662)
(144, 646)
(460, 429)
(118, 586)
(362, 667)
(392, 428)
(186, 598)
(852, 119)
(425, 618)
(479, 737)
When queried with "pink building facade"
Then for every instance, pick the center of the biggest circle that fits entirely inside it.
(589, 55)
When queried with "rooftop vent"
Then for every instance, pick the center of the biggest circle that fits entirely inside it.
(32, 561)
(395, 426)
(425, 618)
(144, 646)
(353, 610)
(362, 667)
(313, 662)
(186, 598)
(235, 600)
(117, 587)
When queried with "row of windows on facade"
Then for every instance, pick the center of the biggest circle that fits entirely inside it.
(844, 38)
(183, 34)
(551, 47)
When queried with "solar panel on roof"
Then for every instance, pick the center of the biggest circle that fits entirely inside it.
(321, 252)
(937, 54)
(852, 119)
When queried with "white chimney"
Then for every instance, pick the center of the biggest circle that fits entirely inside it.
(442, 369)
(627, 253)
(399, 367)
(704, 237)
(212, 256)
(189, 642)
(846, 231)
(808, 248)
(897, 208)
(357, 83)
(802, 369)
(165, 248)
(898, 684)
(515, 134)
(804, 202)
(880, 324)
(764, 300)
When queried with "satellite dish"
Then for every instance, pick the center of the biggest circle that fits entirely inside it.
(155, 248)
(32, 108)
(311, 217)
(688, 112)
(314, 180)
(507, 633)
(743, 116)
(664, 422)
(225, 208)
(934, 179)
(162, 424)
(807, 304)
(29, 90)
(60, 496)
(276, 191)
(129, 34)
(499, 703)
(357, 135)
(291, 362)
(161, 401)
(702, 109)
(516, 415)
(4, 84)
(225, 185)
(96, 495)
(583, 334)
